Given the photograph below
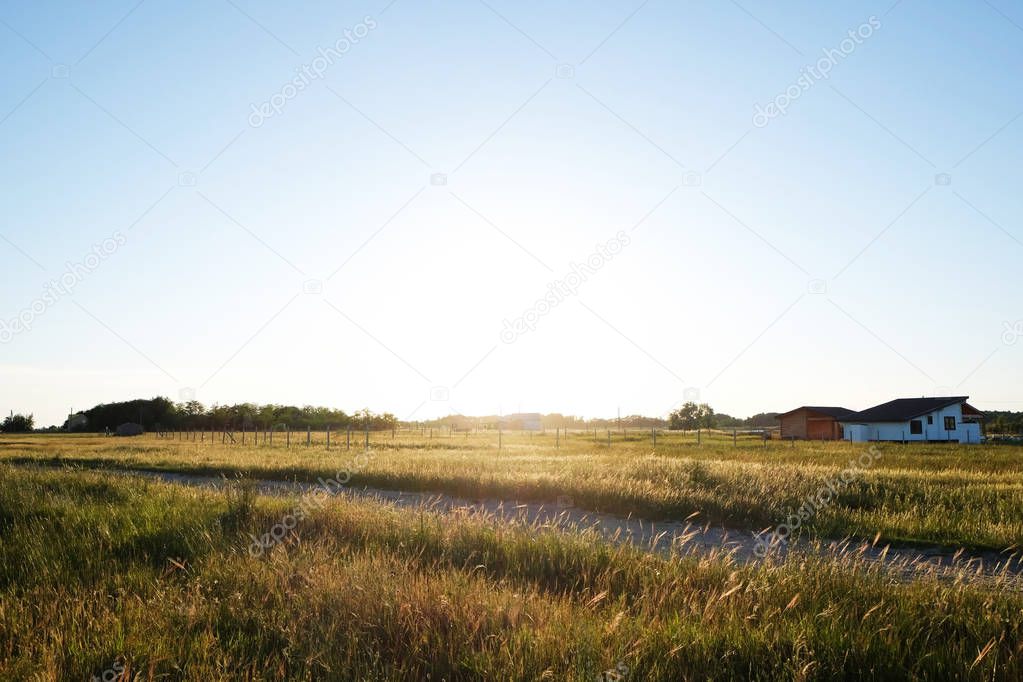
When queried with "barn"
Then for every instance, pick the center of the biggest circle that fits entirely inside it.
(813, 423)
(916, 419)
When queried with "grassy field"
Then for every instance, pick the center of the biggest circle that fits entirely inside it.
(110, 574)
(952, 495)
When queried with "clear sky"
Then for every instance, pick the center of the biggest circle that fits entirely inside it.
(343, 204)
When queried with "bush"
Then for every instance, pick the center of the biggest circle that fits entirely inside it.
(17, 423)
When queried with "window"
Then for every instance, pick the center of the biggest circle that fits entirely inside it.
(930, 419)
(916, 427)
(950, 423)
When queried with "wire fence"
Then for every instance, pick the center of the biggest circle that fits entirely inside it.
(422, 436)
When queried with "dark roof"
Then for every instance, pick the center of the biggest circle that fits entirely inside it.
(903, 409)
(836, 412)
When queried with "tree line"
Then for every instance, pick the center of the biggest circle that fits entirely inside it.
(702, 416)
(1003, 422)
(689, 416)
(161, 413)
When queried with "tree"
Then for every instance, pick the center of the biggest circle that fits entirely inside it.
(684, 417)
(707, 416)
(17, 423)
(192, 413)
(691, 416)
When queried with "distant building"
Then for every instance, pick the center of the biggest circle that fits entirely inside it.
(813, 423)
(130, 429)
(76, 422)
(524, 421)
(916, 419)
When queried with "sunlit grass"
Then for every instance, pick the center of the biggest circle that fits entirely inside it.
(953, 495)
(97, 569)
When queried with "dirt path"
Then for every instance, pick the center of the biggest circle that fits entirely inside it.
(686, 537)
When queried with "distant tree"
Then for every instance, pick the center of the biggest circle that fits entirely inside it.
(17, 423)
(191, 413)
(762, 420)
(638, 420)
(722, 420)
(706, 416)
(684, 417)
(267, 414)
(692, 416)
(1003, 422)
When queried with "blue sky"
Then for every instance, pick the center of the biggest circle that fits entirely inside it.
(364, 245)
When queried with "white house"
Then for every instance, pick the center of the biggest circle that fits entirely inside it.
(916, 419)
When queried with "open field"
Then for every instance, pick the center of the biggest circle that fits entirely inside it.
(101, 572)
(951, 495)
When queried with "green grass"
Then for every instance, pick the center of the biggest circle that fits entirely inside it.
(98, 569)
(952, 495)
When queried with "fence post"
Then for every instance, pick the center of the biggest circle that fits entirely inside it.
(735, 437)
(367, 434)
(348, 439)
(328, 436)
(308, 435)
(557, 438)
(609, 437)
(287, 436)
(699, 438)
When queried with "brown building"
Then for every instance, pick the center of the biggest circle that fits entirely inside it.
(813, 423)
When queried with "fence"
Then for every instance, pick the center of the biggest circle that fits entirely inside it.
(345, 438)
